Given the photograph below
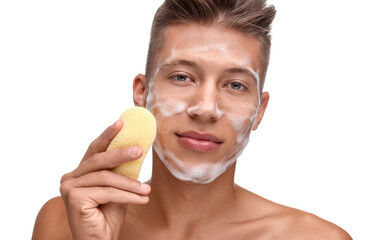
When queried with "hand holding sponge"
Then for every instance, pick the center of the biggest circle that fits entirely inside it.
(139, 129)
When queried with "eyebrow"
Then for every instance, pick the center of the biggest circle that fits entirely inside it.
(237, 70)
(182, 62)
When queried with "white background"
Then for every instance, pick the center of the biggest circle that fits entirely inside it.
(66, 69)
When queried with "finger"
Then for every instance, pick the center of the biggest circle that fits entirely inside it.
(101, 143)
(105, 160)
(95, 196)
(107, 178)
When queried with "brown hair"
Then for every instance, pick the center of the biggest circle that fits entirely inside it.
(251, 17)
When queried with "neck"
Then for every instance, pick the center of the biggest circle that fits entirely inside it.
(188, 204)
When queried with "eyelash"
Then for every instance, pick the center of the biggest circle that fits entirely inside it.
(242, 86)
(187, 79)
(175, 77)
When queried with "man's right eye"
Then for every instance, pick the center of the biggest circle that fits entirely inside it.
(180, 78)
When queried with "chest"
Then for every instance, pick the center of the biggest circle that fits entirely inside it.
(243, 231)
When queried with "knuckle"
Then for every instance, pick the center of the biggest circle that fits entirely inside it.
(92, 145)
(65, 187)
(64, 177)
(110, 190)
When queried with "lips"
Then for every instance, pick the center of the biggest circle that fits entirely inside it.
(203, 142)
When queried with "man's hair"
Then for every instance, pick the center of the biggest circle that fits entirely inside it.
(250, 17)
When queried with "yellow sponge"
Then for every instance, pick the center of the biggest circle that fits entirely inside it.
(139, 129)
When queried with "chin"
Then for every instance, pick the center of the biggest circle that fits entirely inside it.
(199, 173)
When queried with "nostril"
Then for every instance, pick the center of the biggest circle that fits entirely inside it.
(205, 110)
(193, 110)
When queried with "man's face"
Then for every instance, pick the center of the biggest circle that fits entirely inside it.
(205, 96)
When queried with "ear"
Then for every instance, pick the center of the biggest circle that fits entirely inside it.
(139, 90)
(262, 108)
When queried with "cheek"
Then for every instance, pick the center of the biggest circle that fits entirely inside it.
(163, 109)
(242, 120)
(165, 104)
(169, 107)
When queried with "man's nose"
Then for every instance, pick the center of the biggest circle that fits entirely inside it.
(204, 105)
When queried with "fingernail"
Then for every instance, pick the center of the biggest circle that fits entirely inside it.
(133, 150)
(117, 122)
(144, 186)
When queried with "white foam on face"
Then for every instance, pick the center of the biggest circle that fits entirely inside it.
(218, 112)
(223, 49)
(167, 107)
(239, 124)
(238, 120)
(204, 172)
(200, 173)
(257, 78)
(242, 121)
(220, 48)
(150, 94)
(170, 108)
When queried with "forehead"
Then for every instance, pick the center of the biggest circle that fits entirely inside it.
(195, 40)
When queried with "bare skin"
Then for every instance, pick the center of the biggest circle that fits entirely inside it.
(99, 204)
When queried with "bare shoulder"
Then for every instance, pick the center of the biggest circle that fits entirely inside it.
(274, 221)
(51, 222)
(300, 225)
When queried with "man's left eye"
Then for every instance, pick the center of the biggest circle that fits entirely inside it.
(236, 86)
(181, 78)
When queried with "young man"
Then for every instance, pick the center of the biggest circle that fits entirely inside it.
(204, 78)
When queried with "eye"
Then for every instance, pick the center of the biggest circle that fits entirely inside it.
(180, 78)
(237, 86)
